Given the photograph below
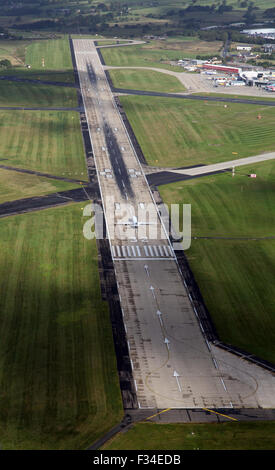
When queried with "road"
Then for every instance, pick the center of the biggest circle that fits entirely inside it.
(217, 167)
(173, 365)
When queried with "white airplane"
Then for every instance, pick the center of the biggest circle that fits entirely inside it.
(133, 222)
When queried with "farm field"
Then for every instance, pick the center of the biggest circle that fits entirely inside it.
(25, 94)
(147, 80)
(47, 141)
(172, 132)
(59, 385)
(222, 436)
(14, 185)
(235, 275)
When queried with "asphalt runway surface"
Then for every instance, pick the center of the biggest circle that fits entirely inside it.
(12, 78)
(40, 108)
(172, 363)
(39, 173)
(31, 204)
(167, 177)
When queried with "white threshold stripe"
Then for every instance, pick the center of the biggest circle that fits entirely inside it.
(129, 251)
(124, 251)
(155, 250)
(118, 250)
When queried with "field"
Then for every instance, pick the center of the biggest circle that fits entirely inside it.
(66, 76)
(172, 132)
(14, 185)
(140, 56)
(159, 53)
(222, 436)
(59, 386)
(25, 94)
(147, 80)
(14, 51)
(186, 46)
(267, 97)
(235, 275)
(49, 59)
(54, 54)
(47, 141)
(44, 141)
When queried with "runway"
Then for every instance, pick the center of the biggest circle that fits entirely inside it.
(173, 364)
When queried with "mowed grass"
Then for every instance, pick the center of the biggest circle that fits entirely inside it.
(265, 97)
(140, 56)
(235, 276)
(56, 66)
(59, 384)
(53, 53)
(25, 94)
(147, 80)
(47, 141)
(14, 185)
(66, 76)
(222, 436)
(176, 132)
(159, 53)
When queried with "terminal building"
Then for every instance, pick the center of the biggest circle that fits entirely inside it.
(222, 68)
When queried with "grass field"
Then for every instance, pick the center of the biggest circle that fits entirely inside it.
(47, 141)
(175, 133)
(54, 53)
(147, 80)
(59, 386)
(66, 76)
(140, 56)
(14, 185)
(158, 53)
(25, 94)
(187, 46)
(56, 66)
(14, 51)
(266, 97)
(234, 276)
(222, 436)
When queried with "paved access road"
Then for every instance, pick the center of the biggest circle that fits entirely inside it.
(173, 365)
